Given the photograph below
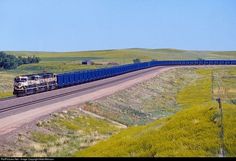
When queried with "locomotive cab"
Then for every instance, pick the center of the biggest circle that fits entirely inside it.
(20, 83)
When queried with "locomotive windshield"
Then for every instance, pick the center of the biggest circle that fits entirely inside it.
(20, 80)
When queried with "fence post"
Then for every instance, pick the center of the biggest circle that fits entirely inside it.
(221, 127)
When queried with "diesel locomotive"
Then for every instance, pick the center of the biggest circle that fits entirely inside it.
(34, 83)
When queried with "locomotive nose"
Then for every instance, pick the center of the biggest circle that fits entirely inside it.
(18, 84)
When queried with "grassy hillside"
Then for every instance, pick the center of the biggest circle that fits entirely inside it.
(146, 101)
(60, 135)
(194, 131)
(127, 55)
(58, 62)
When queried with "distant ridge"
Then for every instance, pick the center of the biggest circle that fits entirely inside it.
(111, 50)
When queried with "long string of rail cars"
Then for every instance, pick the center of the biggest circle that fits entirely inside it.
(35, 83)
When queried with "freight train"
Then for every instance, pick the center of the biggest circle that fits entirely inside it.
(35, 83)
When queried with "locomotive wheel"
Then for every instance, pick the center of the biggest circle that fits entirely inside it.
(20, 94)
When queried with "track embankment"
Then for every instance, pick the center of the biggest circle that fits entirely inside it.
(30, 111)
(16, 112)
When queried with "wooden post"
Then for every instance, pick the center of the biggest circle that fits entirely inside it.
(221, 127)
(212, 86)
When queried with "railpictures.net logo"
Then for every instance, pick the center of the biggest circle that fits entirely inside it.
(27, 159)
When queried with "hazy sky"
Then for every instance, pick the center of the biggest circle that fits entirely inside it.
(75, 25)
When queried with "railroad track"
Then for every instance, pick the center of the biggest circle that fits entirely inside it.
(124, 77)
(21, 105)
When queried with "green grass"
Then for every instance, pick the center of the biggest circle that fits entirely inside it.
(124, 56)
(188, 133)
(42, 137)
(224, 84)
(198, 92)
(127, 55)
(87, 125)
(230, 129)
(6, 84)
(194, 131)
(56, 67)
(63, 134)
(146, 101)
(5, 94)
(68, 59)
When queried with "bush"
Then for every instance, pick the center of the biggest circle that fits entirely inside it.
(12, 62)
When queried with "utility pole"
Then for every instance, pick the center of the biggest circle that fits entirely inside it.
(221, 127)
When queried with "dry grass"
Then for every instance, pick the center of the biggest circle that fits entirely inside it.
(61, 135)
(145, 102)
